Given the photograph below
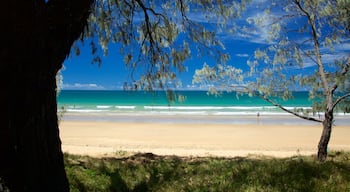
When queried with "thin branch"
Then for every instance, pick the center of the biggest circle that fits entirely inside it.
(182, 10)
(335, 86)
(305, 53)
(340, 99)
(346, 67)
(249, 90)
(149, 33)
(311, 20)
(145, 9)
(289, 111)
(147, 22)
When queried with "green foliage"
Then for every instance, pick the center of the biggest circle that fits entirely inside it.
(154, 36)
(59, 84)
(344, 106)
(223, 77)
(60, 113)
(148, 172)
(59, 80)
(286, 53)
(299, 34)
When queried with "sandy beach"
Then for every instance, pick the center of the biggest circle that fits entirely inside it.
(194, 139)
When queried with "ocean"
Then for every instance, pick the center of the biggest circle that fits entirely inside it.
(118, 105)
(194, 102)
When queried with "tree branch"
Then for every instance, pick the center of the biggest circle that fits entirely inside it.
(145, 9)
(340, 99)
(182, 10)
(346, 67)
(289, 111)
(147, 23)
(312, 20)
(249, 90)
(335, 86)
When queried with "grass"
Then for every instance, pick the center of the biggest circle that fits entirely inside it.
(149, 172)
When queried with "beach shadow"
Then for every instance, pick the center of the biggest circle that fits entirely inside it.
(117, 182)
(150, 172)
(157, 174)
(290, 174)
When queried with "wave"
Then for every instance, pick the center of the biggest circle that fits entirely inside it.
(103, 106)
(183, 110)
(189, 112)
(179, 112)
(223, 108)
(125, 107)
(218, 109)
(184, 107)
(292, 108)
(86, 110)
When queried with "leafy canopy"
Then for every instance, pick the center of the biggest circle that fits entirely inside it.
(157, 36)
(305, 49)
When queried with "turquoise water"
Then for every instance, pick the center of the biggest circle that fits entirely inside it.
(195, 102)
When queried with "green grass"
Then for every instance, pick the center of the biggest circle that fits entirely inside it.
(148, 172)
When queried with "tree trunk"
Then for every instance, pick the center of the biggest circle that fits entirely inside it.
(36, 38)
(33, 160)
(325, 137)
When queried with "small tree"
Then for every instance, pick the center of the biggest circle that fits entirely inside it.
(302, 36)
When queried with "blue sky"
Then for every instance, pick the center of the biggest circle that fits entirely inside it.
(79, 73)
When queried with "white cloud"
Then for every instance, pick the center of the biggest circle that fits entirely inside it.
(330, 58)
(82, 86)
(255, 25)
(242, 55)
(341, 51)
(344, 46)
(327, 59)
(193, 87)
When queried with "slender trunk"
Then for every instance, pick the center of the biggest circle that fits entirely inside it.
(327, 123)
(326, 135)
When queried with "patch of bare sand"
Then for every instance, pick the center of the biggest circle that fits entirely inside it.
(108, 138)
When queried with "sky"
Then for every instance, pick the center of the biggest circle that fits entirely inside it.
(80, 74)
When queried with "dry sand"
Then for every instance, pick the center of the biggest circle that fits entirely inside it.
(107, 138)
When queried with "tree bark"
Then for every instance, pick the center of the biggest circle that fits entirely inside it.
(325, 137)
(36, 38)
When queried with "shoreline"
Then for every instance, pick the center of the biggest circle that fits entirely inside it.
(106, 138)
(246, 119)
